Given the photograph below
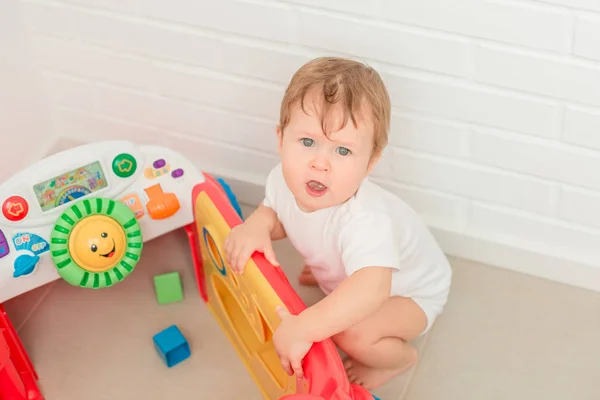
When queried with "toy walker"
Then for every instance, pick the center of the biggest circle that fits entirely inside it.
(83, 215)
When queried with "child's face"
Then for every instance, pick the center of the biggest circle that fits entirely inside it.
(325, 171)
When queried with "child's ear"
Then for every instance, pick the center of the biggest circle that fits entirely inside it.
(279, 136)
(373, 161)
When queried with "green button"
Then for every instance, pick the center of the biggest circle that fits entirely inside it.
(124, 165)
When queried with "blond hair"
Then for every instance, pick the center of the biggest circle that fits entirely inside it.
(350, 84)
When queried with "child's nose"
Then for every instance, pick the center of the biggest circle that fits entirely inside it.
(320, 163)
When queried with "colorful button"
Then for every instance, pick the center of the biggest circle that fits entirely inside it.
(135, 204)
(158, 164)
(25, 265)
(178, 173)
(153, 173)
(161, 205)
(4, 249)
(15, 208)
(124, 165)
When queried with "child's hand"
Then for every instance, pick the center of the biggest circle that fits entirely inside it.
(290, 344)
(243, 241)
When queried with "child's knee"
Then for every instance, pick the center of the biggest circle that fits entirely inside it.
(354, 340)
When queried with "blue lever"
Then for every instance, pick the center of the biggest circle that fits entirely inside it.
(25, 264)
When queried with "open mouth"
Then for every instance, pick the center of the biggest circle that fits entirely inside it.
(110, 253)
(315, 188)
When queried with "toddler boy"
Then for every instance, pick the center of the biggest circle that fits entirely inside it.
(384, 276)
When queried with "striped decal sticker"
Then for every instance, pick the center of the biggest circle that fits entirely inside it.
(134, 234)
(107, 279)
(88, 207)
(84, 279)
(61, 229)
(77, 211)
(126, 266)
(111, 207)
(64, 263)
(60, 252)
(130, 223)
(68, 219)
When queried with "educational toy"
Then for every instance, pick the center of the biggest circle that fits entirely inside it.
(172, 346)
(168, 288)
(83, 214)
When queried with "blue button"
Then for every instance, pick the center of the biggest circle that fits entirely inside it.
(4, 249)
(25, 265)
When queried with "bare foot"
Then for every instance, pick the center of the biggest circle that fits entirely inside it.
(372, 378)
(307, 278)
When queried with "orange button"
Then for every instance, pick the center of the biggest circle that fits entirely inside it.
(161, 205)
(133, 201)
(15, 208)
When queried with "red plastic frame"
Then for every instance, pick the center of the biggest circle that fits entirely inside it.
(322, 365)
(18, 379)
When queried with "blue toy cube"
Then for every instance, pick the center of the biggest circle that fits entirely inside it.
(172, 346)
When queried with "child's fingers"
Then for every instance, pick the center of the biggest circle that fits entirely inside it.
(232, 249)
(287, 367)
(236, 254)
(270, 255)
(227, 246)
(297, 367)
(281, 312)
(243, 257)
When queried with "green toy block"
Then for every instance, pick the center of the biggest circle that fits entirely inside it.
(168, 288)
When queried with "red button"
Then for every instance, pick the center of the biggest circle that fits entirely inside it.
(15, 208)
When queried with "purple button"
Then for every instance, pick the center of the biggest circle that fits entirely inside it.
(177, 173)
(159, 163)
(2, 237)
(4, 250)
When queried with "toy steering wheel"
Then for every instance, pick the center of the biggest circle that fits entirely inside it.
(96, 243)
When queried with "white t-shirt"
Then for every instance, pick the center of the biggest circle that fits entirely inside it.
(373, 228)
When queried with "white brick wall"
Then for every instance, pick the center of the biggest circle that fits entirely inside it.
(496, 122)
(25, 132)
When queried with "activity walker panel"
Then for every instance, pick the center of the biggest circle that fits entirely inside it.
(243, 304)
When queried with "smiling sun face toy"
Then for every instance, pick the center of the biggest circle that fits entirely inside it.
(97, 243)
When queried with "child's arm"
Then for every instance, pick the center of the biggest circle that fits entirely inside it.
(367, 239)
(359, 296)
(266, 216)
(255, 234)
(370, 256)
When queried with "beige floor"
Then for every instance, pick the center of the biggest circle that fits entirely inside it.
(502, 336)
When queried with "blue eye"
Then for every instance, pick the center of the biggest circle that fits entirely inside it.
(308, 142)
(343, 151)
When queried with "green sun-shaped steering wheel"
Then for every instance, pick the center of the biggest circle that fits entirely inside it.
(96, 243)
